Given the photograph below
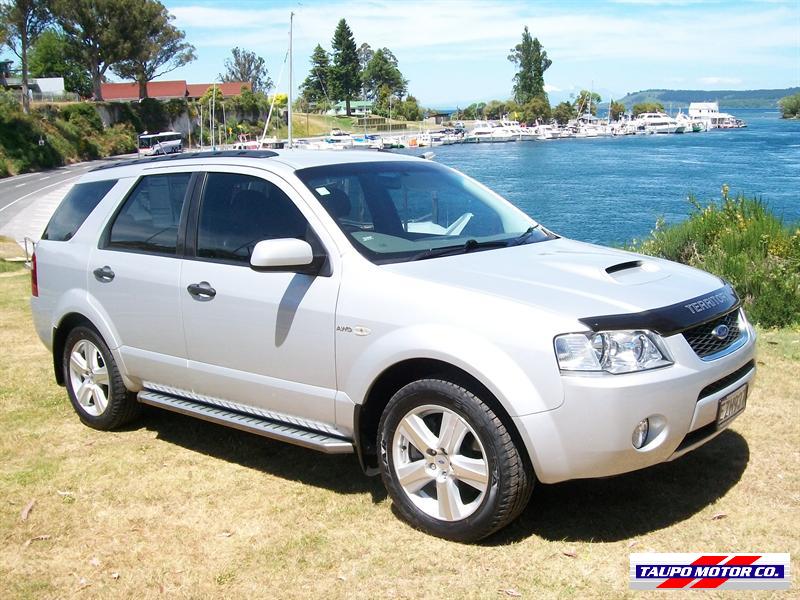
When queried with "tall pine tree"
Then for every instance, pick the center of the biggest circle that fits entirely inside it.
(315, 86)
(532, 62)
(345, 74)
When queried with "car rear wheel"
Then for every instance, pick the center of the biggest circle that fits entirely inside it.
(449, 463)
(94, 383)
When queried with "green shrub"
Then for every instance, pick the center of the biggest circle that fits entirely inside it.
(741, 240)
(152, 114)
(84, 115)
(790, 106)
(9, 103)
(49, 137)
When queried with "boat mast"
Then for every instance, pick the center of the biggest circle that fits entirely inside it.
(291, 20)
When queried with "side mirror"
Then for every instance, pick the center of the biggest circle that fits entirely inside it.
(285, 255)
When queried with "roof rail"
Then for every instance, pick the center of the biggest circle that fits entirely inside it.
(188, 155)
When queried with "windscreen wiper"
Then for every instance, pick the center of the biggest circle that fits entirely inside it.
(470, 245)
(524, 236)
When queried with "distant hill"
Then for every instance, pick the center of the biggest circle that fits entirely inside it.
(726, 98)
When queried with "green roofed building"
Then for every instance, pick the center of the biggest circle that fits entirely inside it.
(358, 108)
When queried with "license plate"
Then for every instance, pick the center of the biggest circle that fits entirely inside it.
(731, 405)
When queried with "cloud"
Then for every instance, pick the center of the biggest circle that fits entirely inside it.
(614, 45)
(551, 88)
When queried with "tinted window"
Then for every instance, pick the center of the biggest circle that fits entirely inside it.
(74, 208)
(150, 217)
(238, 211)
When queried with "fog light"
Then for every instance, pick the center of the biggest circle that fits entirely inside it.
(639, 436)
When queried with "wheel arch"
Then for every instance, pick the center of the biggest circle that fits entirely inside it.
(60, 333)
(393, 378)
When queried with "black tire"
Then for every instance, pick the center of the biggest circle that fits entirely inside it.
(122, 406)
(510, 479)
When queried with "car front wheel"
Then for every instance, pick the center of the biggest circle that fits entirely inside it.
(449, 463)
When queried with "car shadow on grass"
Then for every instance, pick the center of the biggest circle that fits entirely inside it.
(626, 506)
(338, 472)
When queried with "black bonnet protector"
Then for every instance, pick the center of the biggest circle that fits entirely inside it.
(671, 319)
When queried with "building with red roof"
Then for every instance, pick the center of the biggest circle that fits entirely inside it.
(168, 90)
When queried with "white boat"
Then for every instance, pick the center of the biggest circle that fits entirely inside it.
(658, 122)
(371, 142)
(548, 132)
(708, 113)
(484, 132)
(691, 124)
(512, 127)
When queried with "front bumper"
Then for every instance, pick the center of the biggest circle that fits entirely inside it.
(589, 435)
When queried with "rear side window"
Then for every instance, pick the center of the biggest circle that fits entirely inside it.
(149, 219)
(74, 208)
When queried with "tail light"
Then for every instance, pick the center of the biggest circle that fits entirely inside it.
(34, 277)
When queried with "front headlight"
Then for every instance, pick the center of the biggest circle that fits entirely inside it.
(611, 351)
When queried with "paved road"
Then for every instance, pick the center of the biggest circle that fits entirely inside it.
(27, 201)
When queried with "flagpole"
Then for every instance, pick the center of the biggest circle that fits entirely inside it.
(291, 21)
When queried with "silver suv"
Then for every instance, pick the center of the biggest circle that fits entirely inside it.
(387, 306)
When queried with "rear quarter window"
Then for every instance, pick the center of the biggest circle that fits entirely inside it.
(74, 208)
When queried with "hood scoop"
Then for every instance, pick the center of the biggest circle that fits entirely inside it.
(634, 272)
(631, 264)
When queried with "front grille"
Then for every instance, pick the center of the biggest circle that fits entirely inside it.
(704, 343)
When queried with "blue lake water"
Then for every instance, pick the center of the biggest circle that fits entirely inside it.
(611, 190)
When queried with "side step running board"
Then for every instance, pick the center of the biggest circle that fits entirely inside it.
(271, 429)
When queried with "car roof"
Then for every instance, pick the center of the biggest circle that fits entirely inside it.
(273, 160)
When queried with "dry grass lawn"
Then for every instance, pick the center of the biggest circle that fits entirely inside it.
(177, 507)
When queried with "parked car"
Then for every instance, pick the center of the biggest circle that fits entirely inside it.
(388, 306)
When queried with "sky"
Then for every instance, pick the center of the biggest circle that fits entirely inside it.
(454, 52)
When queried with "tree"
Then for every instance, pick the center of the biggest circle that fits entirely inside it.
(102, 33)
(51, 56)
(537, 109)
(365, 54)
(315, 86)
(162, 48)
(495, 109)
(247, 66)
(645, 107)
(531, 61)
(345, 75)
(790, 106)
(587, 101)
(408, 109)
(564, 112)
(616, 109)
(382, 72)
(24, 21)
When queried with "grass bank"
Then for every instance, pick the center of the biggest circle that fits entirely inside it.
(176, 506)
(52, 136)
(740, 239)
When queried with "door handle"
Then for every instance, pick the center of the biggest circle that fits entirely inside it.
(202, 290)
(104, 274)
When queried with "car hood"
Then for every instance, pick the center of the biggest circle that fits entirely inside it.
(570, 278)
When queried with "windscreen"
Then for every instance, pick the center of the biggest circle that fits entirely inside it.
(399, 211)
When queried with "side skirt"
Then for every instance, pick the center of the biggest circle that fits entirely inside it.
(276, 430)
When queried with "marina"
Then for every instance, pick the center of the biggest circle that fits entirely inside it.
(699, 119)
(610, 190)
(604, 182)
